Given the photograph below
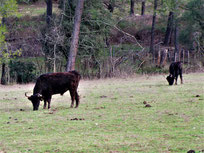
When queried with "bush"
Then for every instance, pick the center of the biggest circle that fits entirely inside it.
(26, 1)
(22, 71)
(153, 70)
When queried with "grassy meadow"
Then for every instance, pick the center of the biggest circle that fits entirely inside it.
(111, 117)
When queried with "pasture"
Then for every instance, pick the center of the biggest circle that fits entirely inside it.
(111, 117)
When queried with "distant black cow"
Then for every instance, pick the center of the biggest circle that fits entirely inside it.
(55, 83)
(175, 69)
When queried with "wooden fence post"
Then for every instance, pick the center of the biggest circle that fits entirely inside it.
(164, 57)
(158, 58)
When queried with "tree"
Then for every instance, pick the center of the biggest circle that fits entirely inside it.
(176, 44)
(2, 43)
(3, 74)
(49, 11)
(7, 8)
(172, 29)
(153, 27)
(172, 6)
(143, 8)
(169, 28)
(95, 26)
(132, 6)
(75, 36)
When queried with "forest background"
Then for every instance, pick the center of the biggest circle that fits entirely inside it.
(117, 37)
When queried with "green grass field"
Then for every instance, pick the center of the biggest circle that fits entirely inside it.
(111, 117)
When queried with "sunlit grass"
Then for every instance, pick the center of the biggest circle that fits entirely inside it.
(113, 117)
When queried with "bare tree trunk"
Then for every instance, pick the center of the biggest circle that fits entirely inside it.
(132, 5)
(176, 51)
(3, 74)
(153, 27)
(169, 28)
(143, 8)
(75, 36)
(49, 11)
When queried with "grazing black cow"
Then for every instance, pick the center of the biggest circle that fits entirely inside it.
(55, 83)
(175, 69)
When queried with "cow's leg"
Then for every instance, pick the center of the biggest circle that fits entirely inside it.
(176, 78)
(45, 104)
(49, 101)
(72, 93)
(181, 77)
(77, 99)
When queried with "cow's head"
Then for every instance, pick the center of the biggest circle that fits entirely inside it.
(170, 79)
(35, 99)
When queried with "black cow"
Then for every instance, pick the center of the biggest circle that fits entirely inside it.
(175, 69)
(55, 83)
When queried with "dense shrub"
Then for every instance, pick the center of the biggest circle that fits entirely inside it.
(22, 71)
(153, 70)
(26, 1)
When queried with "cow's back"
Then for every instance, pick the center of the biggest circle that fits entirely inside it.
(175, 67)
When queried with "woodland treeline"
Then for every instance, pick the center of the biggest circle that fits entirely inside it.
(99, 38)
